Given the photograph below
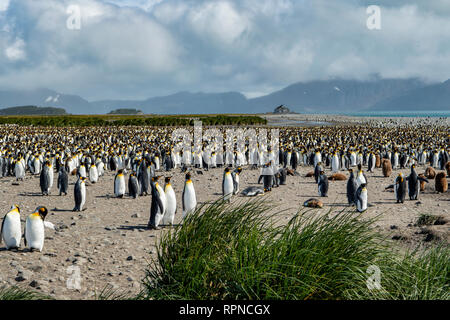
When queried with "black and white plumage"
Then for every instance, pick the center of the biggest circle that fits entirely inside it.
(11, 231)
(44, 179)
(323, 185)
(80, 193)
(133, 186)
(352, 186)
(361, 198)
(63, 181)
(34, 229)
(400, 188)
(252, 191)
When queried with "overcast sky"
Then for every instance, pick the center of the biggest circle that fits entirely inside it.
(135, 49)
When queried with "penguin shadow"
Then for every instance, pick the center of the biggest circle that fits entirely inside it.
(64, 210)
(383, 202)
(338, 205)
(131, 228)
(36, 194)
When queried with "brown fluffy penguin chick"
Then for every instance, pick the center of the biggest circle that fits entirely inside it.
(430, 173)
(377, 161)
(387, 168)
(313, 203)
(310, 174)
(422, 183)
(337, 177)
(441, 182)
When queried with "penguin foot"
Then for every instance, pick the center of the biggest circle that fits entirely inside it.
(153, 227)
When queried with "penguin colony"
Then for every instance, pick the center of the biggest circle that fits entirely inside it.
(138, 157)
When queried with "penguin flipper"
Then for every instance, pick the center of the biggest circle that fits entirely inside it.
(1, 231)
(389, 187)
(24, 234)
(422, 179)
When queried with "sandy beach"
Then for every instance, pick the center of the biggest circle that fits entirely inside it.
(111, 246)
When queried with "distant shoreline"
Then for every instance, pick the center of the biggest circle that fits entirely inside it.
(308, 120)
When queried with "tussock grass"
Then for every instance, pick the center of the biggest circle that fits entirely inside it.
(16, 293)
(236, 252)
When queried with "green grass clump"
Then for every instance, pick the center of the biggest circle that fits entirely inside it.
(235, 252)
(16, 293)
(129, 120)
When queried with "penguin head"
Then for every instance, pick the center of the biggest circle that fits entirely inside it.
(167, 180)
(239, 170)
(188, 176)
(15, 207)
(41, 211)
(227, 170)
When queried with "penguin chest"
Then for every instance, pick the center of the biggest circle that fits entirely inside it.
(12, 232)
(171, 201)
(119, 185)
(189, 199)
(228, 186)
(362, 202)
(35, 233)
(162, 196)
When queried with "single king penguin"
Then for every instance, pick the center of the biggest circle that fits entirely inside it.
(44, 179)
(171, 200)
(93, 173)
(400, 188)
(133, 185)
(227, 185)
(235, 175)
(157, 207)
(414, 184)
(189, 198)
(34, 229)
(361, 198)
(323, 184)
(11, 231)
(119, 184)
(352, 186)
(63, 181)
(80, 193)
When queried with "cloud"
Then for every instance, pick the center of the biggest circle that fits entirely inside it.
(142, 48)
(4, 4)
(16, 51)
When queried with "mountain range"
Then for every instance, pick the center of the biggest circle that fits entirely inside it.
(326, 96)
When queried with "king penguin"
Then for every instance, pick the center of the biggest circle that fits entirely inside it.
(352, 186)
(235, 175)
(119, 184)
(44, 179)
(63, 181)
(361, 198)
(34, 229)
(80, 193)
(323, 184)
(11, 231)
(93, 173)
(133, 185)
(158, 205)
(189, 198)
(400, 188)
(171, 202)
(414, 184)
(227, 185)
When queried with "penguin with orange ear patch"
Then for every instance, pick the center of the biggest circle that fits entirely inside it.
(441, 183)
(400, 188)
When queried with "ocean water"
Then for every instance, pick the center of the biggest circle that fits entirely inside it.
(408, 114)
